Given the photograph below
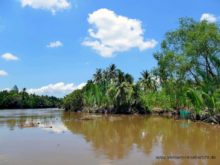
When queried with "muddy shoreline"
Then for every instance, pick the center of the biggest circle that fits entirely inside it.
(204, 117)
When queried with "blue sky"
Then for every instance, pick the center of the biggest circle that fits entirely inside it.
(44, 42)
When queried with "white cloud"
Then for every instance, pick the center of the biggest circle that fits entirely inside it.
(51, 5)
(111, 33)
(3, 73)
(9, 57)
(56, 128)
(55, 44)
(211, 18)
(5, 89)
(59, 89)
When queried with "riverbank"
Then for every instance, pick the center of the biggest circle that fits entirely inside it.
(176, 114)
(204, 117)
(115, 92)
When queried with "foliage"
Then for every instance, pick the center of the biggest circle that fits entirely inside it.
(14, 99)
(111, 90)
(187, 76)
(189, 65)
(74, 101)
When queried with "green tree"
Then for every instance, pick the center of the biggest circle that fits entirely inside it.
(189, 58)
(74, 101)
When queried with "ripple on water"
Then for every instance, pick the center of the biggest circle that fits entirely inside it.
(57, 137)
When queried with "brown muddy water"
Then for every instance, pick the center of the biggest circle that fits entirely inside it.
(54, 137)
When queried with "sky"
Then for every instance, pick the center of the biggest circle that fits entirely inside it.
(54, 46)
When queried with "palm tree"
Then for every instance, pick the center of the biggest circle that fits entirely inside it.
(123, 93)
(112, 72)
(129, 78)
(24, 93)
(98, 76)
(120, 77)
(146, 81)
(195, 97)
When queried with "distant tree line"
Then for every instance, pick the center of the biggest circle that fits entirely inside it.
(187, 76)
(13, 99)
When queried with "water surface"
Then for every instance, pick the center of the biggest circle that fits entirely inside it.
(54, 137)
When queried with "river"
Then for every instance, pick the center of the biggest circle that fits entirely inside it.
(55, 137)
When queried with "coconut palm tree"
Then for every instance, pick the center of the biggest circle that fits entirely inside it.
(146, 81)
(123, 94)
(98, 76)
(128, 78)
(112, 71)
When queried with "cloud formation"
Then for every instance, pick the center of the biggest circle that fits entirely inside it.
(55, 44)
(3, 73)
(9, 57)
(111, 33)
(211, 18)
(59, 89)
(51, 5)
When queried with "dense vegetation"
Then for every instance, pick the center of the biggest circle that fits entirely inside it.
(187, 76)
(21, 99)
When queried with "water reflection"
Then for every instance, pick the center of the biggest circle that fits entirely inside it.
(48, 120)
(116, 136)
(102, 139)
